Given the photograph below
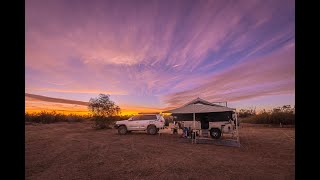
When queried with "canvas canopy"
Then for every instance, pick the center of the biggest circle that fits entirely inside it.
(199, 106)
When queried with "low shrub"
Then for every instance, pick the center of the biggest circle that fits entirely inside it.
(102, 122)
(99, 122)
(272, 117)
(52, 117)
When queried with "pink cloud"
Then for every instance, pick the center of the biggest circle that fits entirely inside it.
(270, 75)
(158, 49)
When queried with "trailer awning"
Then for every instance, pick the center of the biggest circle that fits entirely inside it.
(199, 106)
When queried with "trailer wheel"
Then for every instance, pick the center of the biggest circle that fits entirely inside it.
(215, 133)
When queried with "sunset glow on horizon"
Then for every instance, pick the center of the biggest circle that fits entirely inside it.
(153, 55)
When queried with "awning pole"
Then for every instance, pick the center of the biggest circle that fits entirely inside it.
(194, 118)
(237, 129)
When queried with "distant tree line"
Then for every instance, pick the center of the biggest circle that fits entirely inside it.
(284, 115)
(47, 117)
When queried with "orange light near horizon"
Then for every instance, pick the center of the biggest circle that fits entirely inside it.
(66, 112)
(123, 112)
(81, 110)
(37, 107)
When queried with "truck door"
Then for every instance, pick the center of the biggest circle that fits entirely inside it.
(133, 124)
(145, 120)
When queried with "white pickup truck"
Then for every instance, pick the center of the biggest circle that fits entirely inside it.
(142, 122)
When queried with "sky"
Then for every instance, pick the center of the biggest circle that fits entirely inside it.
(154, 55)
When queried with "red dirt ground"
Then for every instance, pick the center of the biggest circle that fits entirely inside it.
(76, 151)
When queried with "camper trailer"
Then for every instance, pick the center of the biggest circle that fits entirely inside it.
(210, 119)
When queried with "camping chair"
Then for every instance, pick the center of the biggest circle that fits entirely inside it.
(194, 135)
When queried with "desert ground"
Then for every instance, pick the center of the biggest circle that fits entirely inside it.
(76, 151)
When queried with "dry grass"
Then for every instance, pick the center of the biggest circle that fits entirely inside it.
(76, 151)
(47, 117)
(272, 117)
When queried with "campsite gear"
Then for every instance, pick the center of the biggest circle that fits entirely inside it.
(185, 131)
(194, 135)
(175, 130)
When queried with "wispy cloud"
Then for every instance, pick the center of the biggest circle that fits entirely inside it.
(77, 91)
(266, 76)
(55, 100)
